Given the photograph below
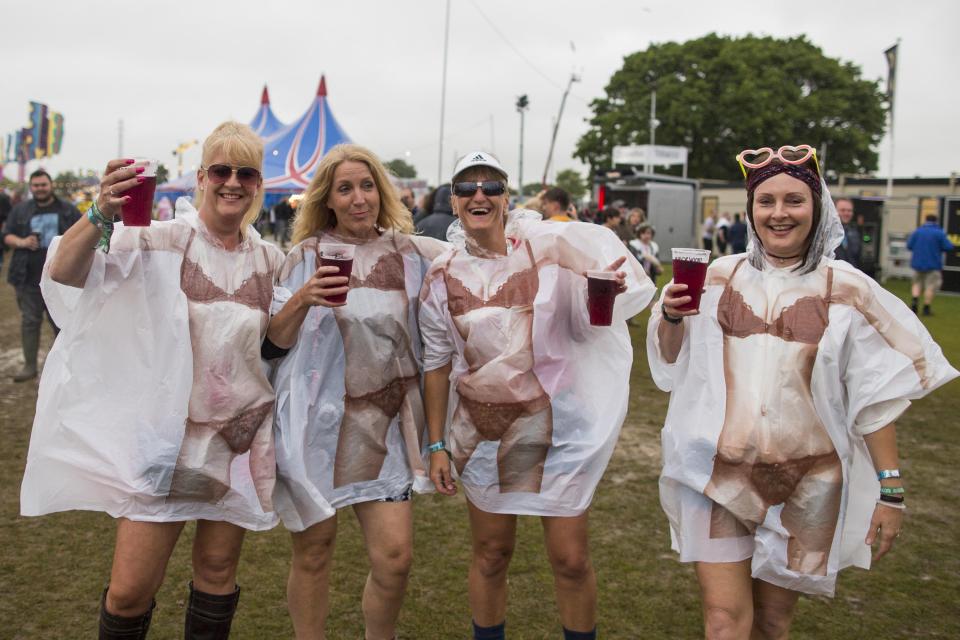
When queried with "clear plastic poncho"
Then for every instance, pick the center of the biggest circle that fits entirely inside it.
(778, 379)
(538, 395)
(350, 425)
(154, 404)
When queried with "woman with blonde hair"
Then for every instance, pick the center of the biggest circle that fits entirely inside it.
(153, 406)
(350, 414)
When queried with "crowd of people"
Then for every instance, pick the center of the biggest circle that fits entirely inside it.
(202, 374)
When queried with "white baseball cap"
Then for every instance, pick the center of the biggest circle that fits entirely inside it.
(478, 159)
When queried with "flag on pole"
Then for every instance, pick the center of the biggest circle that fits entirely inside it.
(891, 55)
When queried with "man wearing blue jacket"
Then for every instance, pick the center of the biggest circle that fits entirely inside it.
(927, 242)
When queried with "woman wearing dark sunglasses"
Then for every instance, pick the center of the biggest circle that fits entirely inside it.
(538, 393)
(153, 405)
(349, 412)
(780, 453)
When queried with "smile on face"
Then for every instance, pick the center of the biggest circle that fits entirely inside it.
(228, 201)
(354, 200)
(783, 215)
(480, 213)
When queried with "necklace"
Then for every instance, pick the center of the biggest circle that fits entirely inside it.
(781, 259)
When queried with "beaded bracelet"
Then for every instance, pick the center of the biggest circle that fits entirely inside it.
(97, 219)
(888, 473)
(666, 316)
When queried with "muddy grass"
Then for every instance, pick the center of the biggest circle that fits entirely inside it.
(54, 568)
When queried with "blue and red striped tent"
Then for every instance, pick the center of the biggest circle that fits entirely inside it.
(265, 124)
(291, 152)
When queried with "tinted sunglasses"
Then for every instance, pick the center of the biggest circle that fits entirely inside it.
(220, 173)
(489, 188)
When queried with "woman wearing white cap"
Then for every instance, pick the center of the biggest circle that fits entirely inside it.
(538, 393)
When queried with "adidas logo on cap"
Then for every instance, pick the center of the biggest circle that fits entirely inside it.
(478, 159)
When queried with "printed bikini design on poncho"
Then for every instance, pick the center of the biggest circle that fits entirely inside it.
(523, 426)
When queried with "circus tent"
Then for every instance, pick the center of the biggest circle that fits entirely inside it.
(265, 124)
(291, 152)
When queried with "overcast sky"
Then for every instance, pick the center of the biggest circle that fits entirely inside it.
(173, 70)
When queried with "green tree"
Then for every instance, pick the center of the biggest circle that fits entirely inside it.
(163, 174)
(718, 95)
(571, 182)
(401, 168)
(532, 188)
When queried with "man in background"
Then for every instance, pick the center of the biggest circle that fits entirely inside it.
(737, 235)
(28, 230)
(851, 247)
(556, 206)
(282, 213)
(927, 242)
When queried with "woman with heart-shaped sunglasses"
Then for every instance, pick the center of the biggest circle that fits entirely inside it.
(780, 455)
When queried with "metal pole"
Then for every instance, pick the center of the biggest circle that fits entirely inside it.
(649, 168)
(520, 164)
(443, 94)
(556, 126)
(522, 105)
(893, 99)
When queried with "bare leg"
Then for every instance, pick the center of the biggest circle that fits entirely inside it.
(388, 532)
(494, 536)
(928, 294)
(216, 552)
(915, 289)
(773, 608)
(308, 586)
(573, 576)
(139, 562)
(726, 589)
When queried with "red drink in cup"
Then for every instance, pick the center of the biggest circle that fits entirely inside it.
(601, 294)
(136, 212)
(339, 256)
(690, 268)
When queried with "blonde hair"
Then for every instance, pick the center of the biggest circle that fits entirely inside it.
(314, 215)
(242, 147)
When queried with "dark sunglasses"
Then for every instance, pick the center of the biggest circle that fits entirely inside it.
(220, 173)
(489, 188)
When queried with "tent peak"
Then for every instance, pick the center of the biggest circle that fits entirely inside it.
(265, 97)
(322, 89)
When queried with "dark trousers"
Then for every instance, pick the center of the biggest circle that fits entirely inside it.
(32, 309)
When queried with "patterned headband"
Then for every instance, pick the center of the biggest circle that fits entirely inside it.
(800, 172)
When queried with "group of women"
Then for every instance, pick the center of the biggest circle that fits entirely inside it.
(201, 375)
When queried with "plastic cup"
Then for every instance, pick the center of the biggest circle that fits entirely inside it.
(601, 294)
(690, 268)
(339, 256)
(136, 212)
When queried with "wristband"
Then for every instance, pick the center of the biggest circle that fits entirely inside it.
(666, 316)
(888, 473)
(893, 505)
(97, 219)
(439, 445)
(891, 491)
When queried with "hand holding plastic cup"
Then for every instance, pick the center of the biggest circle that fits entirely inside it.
(602, 289)
(690, 268)
(340, 256)
(136, 211)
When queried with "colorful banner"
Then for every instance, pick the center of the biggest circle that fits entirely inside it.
(42, 138)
